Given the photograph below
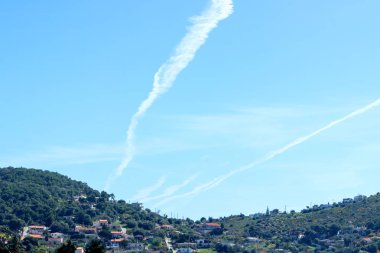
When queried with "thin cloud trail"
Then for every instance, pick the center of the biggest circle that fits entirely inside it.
(167, 73)
(142, 194)
(169, 191)
(271, 155)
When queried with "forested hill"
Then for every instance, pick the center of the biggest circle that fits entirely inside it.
(36, 197)
(319, 221)
(350, 225)
(30, 196)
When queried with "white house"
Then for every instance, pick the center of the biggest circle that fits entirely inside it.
(186, 250)
(136, 247)
(79, 250)
(253, 240)
(115, 243)
(85, 230)
(203, 243)
(208, 227)
(57, 235)
(117, 234)
(37, 230)
(55, 241)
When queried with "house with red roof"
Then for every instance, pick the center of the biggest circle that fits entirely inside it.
(117, 234)
(167, 227)
(115, 243)
(208, 227)
(35, 236)
(85, 230)
(102, 222)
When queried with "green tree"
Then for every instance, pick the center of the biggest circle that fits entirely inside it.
(371, 248)
(66, 248)
(9, 241)
(95, 246)
(40, 249)
(29, 243)
(333, 229)
(105, 234)
(60, 226)
(157, 243)
(83, 218)
(15, 245)
(130, 223)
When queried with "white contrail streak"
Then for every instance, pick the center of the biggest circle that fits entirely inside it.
(171, 190)
(167, 73)
(271, 155)
(144, 193)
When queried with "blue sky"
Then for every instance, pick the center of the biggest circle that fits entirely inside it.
(73, 74)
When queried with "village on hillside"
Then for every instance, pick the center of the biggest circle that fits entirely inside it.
(210, 235)
(118, 239)
(42, 217)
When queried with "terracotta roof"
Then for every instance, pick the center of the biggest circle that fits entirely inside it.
(102, 221)
(87, 229)
(213, 224)
(117, 240)
(116, 232)
(36, 236)
(43, 227)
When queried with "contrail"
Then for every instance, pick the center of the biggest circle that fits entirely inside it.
(169, 191)
(144, 193)
(271, 155)
(167, 73)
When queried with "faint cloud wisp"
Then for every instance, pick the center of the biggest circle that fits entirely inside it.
(169, 191)
(144, 193)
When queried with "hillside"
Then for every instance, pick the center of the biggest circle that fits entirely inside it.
(60, 204)
(347, 226)
(30, 196)
(364, 212)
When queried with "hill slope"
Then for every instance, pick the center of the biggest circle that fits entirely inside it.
(347, 226)
(29, 196)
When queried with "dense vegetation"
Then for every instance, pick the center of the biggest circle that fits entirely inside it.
(340, 227)
(31, 197)
(9, 241)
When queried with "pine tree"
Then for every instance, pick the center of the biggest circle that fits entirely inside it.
(95, 246)
(66, 248)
